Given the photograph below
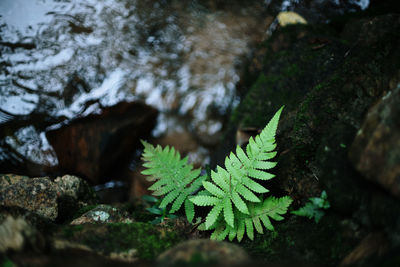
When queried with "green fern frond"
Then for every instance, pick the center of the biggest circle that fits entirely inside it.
(175, 179)
(260, 215)
(236, 182)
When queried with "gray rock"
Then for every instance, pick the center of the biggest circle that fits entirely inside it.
(37, 195)
(51, 200)
(74, 187)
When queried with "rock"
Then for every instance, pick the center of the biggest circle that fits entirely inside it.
(374, 244)
(327, 86)
(103, 214)
(113, 239)
(37, 195)
(9, 179)
(16, 234)
(12, 234)
(50, 200)
(94, 146)
(75, 188)
(203, 252)
(375, 152)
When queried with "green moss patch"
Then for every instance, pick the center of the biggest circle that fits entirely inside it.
(148, 239)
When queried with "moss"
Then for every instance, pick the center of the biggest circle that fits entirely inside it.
(70, 231)
(149, 240)
(293, 64)
(327, 92)
(301, 240)
(6, 262)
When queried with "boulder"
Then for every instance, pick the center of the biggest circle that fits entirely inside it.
(375, 151)
(48, 199)
(95, 146)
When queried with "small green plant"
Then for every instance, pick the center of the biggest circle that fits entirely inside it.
(162, 214)
(238, 202)
(314, 208)
(175, 178)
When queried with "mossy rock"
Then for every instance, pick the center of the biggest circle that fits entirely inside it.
(326, 98)
(300, 240)
(294, 60)
(327, 87)
(147, 239)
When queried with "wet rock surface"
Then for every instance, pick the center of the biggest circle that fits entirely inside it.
(94, 146)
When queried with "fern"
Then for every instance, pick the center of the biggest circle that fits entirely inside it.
(232, 193)
(175, 178)
(260, 214)
(236, 182)
(314, 208)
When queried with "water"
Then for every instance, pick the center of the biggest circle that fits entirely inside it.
(61, 59)
(180, 58)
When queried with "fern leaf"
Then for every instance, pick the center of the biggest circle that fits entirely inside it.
(249, 228)
(236, 179)
(174, 178)
(178, 203)
(261, 175)
(259, 216)
(189, 210)
(213, 189)
(257, 225)
(242, 156)
(269, 131)
(254, 186)
(264, 165)
(213, 215)
(240, 230)
(270, 208)
(239, 203)
(247, 194)
(205, 200)
(228, 212)
(267, 223)
(169, 198)
(232, 233)
(221, 178)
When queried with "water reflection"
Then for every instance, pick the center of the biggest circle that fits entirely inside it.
(180, 57)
